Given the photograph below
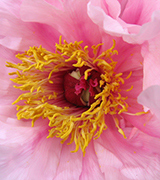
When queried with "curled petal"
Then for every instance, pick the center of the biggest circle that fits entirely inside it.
(133, 22)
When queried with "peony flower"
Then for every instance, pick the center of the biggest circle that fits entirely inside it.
(73, 105)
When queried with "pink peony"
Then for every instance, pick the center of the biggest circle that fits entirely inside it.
(79, 70)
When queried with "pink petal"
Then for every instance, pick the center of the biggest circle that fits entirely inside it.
(135, 158)
(147, 123)
(27, 154)
(90, 165)
(133, 28)
(111, 7)
(103, 20)
(11, 42)
(151, 99)
(139, 12)
(70, 164)
(148, 30)
(8, 93)
(56, 3)
(109, 163)
(151, 56)
(17, 34)
(128, 54)
(78, 27)
(6, 84)
(12, 6)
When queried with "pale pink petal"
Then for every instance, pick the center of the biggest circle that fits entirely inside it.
(139, 12)
(110, 165)
(134, 24)
(6, 84)
(99, 17)
(151, 56)
(151, 99)
(70, 164)
(56, 3)
(12, 6)
(73, 27)
(14, 37)
(111, 7)
(148, 30)
(29, 155)
(147, 123)
(44, 160)
(11, 42)
(90, 165)
(135, 158)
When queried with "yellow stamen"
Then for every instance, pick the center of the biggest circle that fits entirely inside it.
(39, 76)
(86, 73)
(117, 125)
(130, 88)
(129, 75)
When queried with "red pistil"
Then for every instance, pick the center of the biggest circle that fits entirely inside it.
(69, 91)
(81, 85)
(75, 89)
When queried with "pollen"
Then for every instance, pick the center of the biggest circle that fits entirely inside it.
(40, 78)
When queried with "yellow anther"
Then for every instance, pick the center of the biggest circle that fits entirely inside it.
(102, 62)
(129, 75)
(117, 125)
(86, 73)
(130, 88)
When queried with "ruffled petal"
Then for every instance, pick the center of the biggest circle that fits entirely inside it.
(75, 27)
(151, 54)
(139, 12)
(16, 34)
(12, 6)
(110, 7)
(109, 163)
(109, 24)
(147, 123)
(151, 99)
(26, 154)
(134, 24)
(135, 158)
(148, 30)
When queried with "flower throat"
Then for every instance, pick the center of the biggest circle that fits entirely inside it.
(72, 90)
(80, 90)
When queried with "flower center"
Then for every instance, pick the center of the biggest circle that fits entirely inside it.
(80, 91)
(72, 90)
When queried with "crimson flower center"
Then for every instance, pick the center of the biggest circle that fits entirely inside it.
(80, 91)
